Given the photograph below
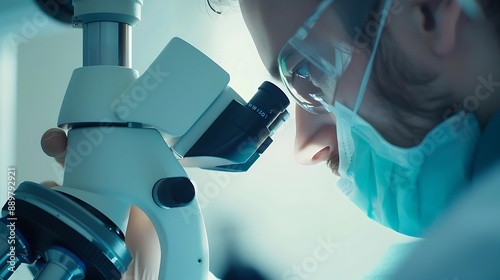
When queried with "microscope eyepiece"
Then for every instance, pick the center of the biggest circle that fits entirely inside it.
(268, 102)
(242, 132)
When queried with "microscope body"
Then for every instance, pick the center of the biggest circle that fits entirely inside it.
(129, 138)
(117, 153)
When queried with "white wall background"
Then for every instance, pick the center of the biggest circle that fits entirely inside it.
(277, 214)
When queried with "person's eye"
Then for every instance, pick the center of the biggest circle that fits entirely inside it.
(309, 73)
(303, 71)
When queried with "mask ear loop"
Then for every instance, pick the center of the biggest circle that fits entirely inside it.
(368, 71)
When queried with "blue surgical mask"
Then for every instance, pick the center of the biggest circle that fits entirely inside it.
(405, 189)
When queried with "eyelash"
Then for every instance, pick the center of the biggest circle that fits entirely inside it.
(298, 71)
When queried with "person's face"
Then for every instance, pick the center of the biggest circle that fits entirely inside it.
(424, 33)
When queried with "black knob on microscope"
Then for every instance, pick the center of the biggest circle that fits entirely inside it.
(173, 192)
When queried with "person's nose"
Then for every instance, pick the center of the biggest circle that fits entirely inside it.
(315, 137)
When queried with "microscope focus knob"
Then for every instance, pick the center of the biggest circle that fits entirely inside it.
(173, 192)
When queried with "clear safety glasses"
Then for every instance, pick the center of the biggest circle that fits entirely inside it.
(313, 60)
(315, 57)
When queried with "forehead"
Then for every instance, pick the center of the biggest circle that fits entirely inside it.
(272, 22)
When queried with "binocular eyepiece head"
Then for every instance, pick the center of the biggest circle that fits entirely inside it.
(242, 133)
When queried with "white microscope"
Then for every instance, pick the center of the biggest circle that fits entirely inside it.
(129, 138)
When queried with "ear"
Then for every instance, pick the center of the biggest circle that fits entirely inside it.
(440, 20)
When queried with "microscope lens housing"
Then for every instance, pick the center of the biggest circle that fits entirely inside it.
(268, 102)
(242, 133)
